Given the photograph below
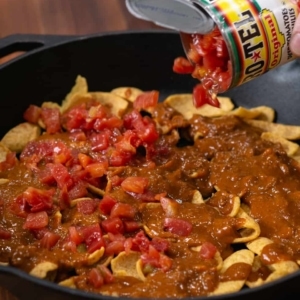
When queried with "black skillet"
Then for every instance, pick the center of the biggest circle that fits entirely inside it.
(143, 59)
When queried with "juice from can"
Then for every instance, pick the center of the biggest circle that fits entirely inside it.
(257, 33)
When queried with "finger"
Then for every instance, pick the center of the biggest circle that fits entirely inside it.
(295, 41)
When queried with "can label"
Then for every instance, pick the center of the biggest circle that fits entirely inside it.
(257, 33)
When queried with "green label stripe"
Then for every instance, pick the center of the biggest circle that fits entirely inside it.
(255, 4)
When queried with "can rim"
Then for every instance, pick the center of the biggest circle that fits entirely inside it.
(180, 15)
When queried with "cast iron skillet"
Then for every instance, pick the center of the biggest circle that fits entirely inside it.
(142, 59)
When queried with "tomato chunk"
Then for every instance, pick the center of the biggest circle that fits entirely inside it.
(135, 184)
(212, 66)
(208, 250)
(106, 273)
(38, 199)
(178, 226)
(146, 100)
(113, 225)
(96, 278)
(92, 236)
(114, 247)
(51, 119)
(202, 96)
(123, 210)
(87, 206)
(97, 169)
(61, 175)
(106, 204)
(36, 220)
(182, 66)
(75, 236)
(49, 240)
(32, 114)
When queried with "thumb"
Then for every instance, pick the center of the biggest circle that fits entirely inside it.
(295, 41)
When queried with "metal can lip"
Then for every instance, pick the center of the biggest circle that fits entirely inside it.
(180, 15)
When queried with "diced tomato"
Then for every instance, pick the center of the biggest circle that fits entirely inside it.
(36, 220)
(78, 190)
(194, 55)
(147, 196)
(38, 199)
(131, 226)
(77, 136)
(39, 233)
(128, 143)
(114, 248)
(212, 66)
(178, 226)
(106, 204)
(96, 278)
(92, 236)
(221, 48)
(45, 176)
(32, 114)
(146, 130)
(143, 126)
(75, 236)
(87, 206)
(108, 123)
(86, 231)
(50, 151)
(146, 100)
(123, 210)
(116, 237)
(116, 180)
(131, 118)
(61, 175)
(99, 141)
(182, 66)
(5, 234)
(9, 162)
(97, 169)
(69, 246)
(113, 225)
(140, 242)
(84, 159)
(135, 184)
(51, 119)
(119, 158)
(224, 80)
(160, 244)
(201, 96)
(75, 118)
(49, 240)
(128, 244)
(64, 199)
(18, 206)
(106, 273)
(156, 259)
(211, 61)
(208, 250)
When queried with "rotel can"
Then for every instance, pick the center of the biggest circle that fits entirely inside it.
(257, 33)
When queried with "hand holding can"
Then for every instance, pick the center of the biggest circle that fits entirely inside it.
(295, 42)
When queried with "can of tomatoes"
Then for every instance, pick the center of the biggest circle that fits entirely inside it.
(230, 42)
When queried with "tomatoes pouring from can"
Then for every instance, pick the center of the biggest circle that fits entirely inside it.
(209, 61)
